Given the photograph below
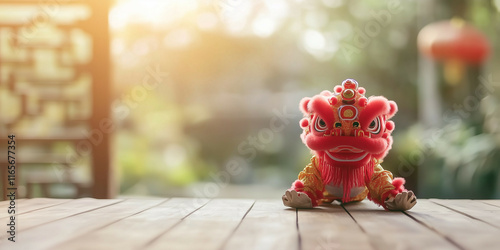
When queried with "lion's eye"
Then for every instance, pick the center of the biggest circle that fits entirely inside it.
(374, 126)
(355, 124)
(320, 125)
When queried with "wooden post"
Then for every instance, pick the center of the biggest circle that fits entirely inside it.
(102, 169)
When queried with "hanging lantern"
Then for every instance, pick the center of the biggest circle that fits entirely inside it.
(455, 43)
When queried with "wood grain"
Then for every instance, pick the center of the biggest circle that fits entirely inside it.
(474, 209)
(58, 231)
(207, 228)
(394, 230)
(140, 228)
(268, 225)
(330, 227)
(464, 231)
(185, 223)
(492, 202)
(28, 205)
(54, 213)
(48, 210)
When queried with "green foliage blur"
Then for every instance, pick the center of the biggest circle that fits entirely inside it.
(230, 63)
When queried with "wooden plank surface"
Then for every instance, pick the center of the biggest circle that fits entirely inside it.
(34, 212)
(466, 232)
(28, 205)
(492, 202)
(5, 203)
(57, 212)
(207, 228)
(48, 235)
(266, 226)
(141, 228)
(394, 230)
(474, 209)
(330, 227)
(185, 223)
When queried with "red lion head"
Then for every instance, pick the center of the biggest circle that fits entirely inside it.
(345, 128)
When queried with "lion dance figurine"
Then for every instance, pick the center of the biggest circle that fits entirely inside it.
(349, 135)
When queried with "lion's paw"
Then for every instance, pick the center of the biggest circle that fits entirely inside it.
(295, 199)
(402, 202)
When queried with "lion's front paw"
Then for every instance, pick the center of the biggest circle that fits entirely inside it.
(402, 202)
(295, 199)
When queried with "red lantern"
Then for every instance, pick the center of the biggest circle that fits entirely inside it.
(456, 43)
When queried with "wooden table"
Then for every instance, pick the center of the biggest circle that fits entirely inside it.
(184, 223)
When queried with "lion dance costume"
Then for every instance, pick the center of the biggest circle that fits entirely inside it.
(349, 135)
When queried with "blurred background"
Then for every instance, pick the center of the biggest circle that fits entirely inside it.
(200, 98)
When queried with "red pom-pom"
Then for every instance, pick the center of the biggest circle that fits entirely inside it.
(389, 125)
(298, 185)
(337, 89)
(362, 101)
(398, 183)
(399, 187)
(304, 123)
(333, 100)
(361, 90)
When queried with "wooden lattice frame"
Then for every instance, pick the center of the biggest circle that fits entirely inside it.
(98, 67)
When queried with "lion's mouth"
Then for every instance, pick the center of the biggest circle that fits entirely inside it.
(346, 154)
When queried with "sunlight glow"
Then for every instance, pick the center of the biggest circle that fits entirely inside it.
(314, 40)
(207, 21)
(235, 16)
(264, 26)
(320, 45)
(497, 4)
(178, 38)
(154, 12)
(174, 155)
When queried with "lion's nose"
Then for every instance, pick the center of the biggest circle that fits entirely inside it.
(362, 133)
(348, 132)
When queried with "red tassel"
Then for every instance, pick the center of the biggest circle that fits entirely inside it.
(346, 176)
(298, 186)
